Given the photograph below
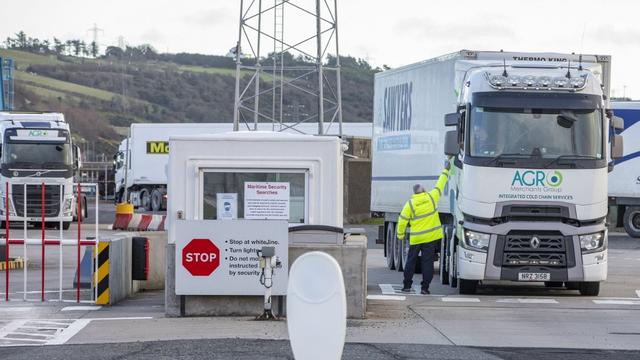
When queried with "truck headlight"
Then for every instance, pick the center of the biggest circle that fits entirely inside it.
(67, 204)
(592, 242)
(476, 241)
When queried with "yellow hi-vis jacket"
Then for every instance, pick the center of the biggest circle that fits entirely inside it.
(422, 215)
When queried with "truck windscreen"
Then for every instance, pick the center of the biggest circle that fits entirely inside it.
(30, 155)
(535, 133)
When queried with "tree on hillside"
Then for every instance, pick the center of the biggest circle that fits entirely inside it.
(84, 49)
(93, 48)
(21, 40)
(114, 51)
(68, 47)
(76, 47)
(58, 46)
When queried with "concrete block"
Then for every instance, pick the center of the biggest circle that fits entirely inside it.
(171, 300)
(157, 261)
(120, 283)
(352, 257)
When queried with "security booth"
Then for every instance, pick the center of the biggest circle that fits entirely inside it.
(231, 194)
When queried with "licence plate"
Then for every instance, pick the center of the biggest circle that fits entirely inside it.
(534, 276)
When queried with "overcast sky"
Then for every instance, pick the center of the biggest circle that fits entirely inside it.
(384, 32)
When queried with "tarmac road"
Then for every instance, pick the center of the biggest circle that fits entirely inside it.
(280, 349)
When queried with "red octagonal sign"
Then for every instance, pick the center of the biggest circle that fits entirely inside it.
(201, 257)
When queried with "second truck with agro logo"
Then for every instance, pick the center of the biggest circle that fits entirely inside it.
(531, 138)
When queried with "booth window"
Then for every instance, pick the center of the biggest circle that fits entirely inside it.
(219, 182)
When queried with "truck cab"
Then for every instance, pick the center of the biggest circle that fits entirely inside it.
(532, 147)
(36, 149)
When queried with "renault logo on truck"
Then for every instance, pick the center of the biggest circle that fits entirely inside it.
(157, 147)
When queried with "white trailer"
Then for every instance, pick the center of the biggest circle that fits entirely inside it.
(526, 199)
(148, 146)
(624, 181)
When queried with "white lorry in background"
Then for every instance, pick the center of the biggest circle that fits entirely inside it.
(36, 148)
(624, 181)
(146, 178)
(526, 200)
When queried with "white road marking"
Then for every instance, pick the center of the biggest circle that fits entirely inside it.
(386, 297)
(527, 301)
(460, 299)
(123, 318)
(16, 308)
(387, 289)
(396, 289)
(47, 331)
(638, 293)
(81, 308)
(616, 302)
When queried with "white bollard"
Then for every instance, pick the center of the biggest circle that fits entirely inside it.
(316, 307)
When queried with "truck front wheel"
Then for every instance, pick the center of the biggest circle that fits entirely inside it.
(589, 288)
(66, 225)
(632, 221)
(467, 287)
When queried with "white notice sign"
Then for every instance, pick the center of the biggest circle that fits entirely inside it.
(266, 200)
(217, 257)
(227, 205)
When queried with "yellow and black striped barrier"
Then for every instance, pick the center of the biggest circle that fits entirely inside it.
(14, 264)
(103, 273)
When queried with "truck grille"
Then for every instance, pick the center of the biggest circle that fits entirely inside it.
(545, 248)
(34, 200)
(522, 242)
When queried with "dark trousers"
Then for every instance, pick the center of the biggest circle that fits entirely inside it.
(428, 251)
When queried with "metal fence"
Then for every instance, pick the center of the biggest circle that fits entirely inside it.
(14, 190)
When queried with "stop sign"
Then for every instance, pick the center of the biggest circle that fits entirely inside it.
(200, 257)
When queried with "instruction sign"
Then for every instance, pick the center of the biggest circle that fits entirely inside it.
(266, 200)
(227, 205)
(219, 257)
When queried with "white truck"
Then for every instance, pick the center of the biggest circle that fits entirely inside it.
(624, 181)
(527, 195)
(36, 148)
(146, 179)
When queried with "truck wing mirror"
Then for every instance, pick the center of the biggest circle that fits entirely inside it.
(617, 147)
(451, 145)
(617, 123)
(452, 119)
(77, 162)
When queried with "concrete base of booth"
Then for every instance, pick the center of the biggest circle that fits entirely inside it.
(351, 256)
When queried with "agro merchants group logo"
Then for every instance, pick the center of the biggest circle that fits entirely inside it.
(538, 178)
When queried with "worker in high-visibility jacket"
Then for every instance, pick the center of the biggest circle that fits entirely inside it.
(421, 214)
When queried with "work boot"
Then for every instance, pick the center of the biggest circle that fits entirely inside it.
(425, 292)
(407, 289)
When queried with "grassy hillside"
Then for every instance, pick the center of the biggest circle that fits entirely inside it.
(167, 88)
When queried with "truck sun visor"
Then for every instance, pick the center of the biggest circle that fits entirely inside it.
(533, 100)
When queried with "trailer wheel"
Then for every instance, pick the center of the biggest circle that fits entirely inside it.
(85, 209)
(589, 288)
(468, 287)
(145, 199)
(632, 221)
(397, 255)
(389, 246)
(156, 200)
